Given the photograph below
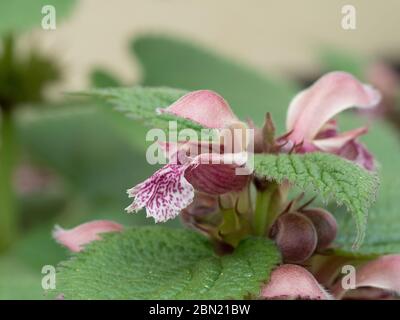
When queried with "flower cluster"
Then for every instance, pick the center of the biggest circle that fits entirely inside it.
(203, 187)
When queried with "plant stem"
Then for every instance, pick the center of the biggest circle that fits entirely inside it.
(263, 210)
(8, 219)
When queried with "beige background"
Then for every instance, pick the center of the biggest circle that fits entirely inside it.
(278, 36)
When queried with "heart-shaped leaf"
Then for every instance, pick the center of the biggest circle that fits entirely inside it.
(330, 176)
(162, 263)
(141, 104)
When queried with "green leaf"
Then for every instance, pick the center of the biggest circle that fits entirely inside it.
(20, 15)
(141, 105)
(160, 263)
(180, 64)
(382, 236)
(329, 176)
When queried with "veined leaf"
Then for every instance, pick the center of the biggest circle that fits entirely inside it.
(329, 176)
(161, 263)
(141, 104)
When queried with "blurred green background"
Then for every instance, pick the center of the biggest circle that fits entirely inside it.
(64, 160)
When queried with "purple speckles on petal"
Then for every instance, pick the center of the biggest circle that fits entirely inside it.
(164, 194)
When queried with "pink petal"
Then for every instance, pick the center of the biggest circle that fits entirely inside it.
(204, 107)
(75, 238)
(164, 194)
(335, 143)
(291, 281)
(358, 153)
(331, 94)
(382, 273)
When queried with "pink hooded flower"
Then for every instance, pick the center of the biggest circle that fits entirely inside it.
(309, 119)
(212, 170)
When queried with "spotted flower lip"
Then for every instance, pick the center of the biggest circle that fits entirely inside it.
(309, 119)
(211, 170)
(171, 189)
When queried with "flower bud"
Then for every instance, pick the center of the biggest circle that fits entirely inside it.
(295, 236)
(325, 224)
